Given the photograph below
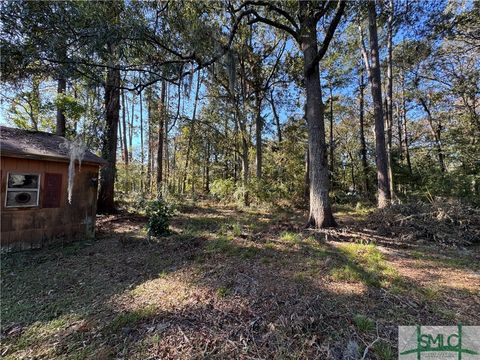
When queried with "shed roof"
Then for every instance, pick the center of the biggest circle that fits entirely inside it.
(38, 145)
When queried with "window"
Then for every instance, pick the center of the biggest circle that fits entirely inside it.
(22, 190)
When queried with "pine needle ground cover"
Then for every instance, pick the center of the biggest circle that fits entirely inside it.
(230, 283)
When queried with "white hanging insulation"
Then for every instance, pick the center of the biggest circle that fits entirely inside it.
(76, 151)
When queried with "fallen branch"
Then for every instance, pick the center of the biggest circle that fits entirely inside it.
(369, 347)
(365, 352)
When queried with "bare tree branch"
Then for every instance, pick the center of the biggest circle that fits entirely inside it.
(270, 5)
(318, 15)
(363, 49)
(328, 36)
(275, 24)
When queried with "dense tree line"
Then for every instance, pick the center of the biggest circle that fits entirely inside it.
(294, 103)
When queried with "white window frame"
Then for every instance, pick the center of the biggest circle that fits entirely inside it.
(7, 189)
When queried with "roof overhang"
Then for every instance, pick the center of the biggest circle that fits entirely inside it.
(17, 155)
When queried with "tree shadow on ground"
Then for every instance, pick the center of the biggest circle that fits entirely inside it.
(195, 295)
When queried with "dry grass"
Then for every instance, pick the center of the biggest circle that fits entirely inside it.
(228, 284)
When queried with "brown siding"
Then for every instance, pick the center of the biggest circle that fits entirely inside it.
(25, 228)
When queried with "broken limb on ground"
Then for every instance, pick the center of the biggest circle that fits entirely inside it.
(231, 284)
(443, 222)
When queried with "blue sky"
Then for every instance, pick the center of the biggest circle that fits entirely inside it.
(292, 92)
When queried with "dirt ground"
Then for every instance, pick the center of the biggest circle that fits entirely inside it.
(231, 284)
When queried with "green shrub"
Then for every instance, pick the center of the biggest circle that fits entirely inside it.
(159, 214)
(241, 193)
(223, 189)
(258, 192)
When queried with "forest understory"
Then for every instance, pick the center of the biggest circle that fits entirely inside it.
(241, 283)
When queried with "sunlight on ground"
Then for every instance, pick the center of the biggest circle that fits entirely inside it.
(227, 283)
(347, 288)
(165, 291)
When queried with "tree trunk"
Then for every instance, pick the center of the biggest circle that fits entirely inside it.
(34, 102)
(207, 169)
(384, 196)
(125, 144)
(149, 143)
(306, 189)
(193, 180)
(436, 134)
(277, 118)
(389, 147)
(363, 144)
(161, 122)
(124, 125)
(320, 210)
(245, 168)
(61, 125)
(241, 110)
(405, 130)
(236, 150)
(399, 130)
(331, 142)
(142, 153)
(352, 171)
(389, 107)
(190, 135)
(244, 154)
(130, 130)
(258, 137)
(174, 166)
(407, 148)
(61, 90)
(109, 148)
(120, 137)
(166, 156)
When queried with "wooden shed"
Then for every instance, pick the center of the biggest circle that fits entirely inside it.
(34, 203)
